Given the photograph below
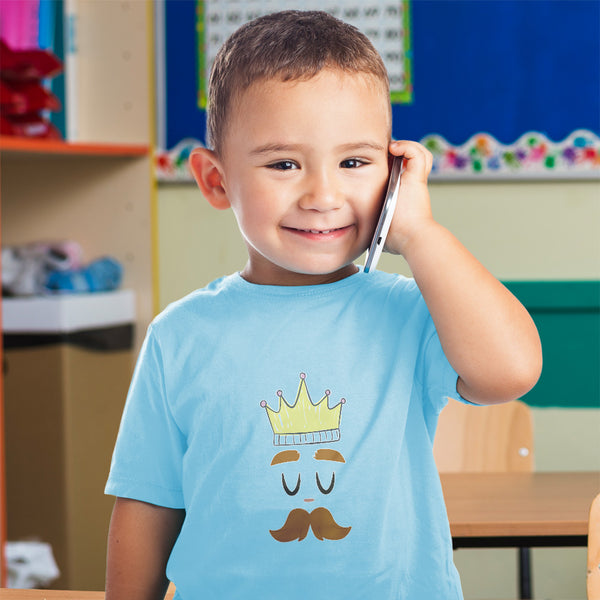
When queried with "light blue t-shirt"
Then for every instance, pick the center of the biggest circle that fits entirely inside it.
(295, 426)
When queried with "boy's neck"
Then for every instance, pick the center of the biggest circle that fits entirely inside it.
(290, 278)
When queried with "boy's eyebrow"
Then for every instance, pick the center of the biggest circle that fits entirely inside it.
(349, 147)
(361, 146)
(267, 148)
(285, 456)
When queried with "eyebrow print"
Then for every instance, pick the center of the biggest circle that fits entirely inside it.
(328, 454)
(285, 456)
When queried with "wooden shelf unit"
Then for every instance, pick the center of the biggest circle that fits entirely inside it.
(97, 190)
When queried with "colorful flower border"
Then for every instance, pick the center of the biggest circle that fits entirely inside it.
(172, 165)
(532, 156)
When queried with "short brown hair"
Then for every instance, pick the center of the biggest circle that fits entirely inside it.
(289, 45)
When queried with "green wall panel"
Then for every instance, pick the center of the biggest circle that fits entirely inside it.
(567, 315)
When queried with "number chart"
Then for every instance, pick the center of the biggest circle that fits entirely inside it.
(386, 24)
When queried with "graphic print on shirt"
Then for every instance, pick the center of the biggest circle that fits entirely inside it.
(306, 424)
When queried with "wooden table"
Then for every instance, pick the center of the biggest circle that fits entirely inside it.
(519, 509)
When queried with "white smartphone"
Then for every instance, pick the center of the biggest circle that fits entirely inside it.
(387, 213)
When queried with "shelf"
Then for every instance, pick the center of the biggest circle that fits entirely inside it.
(27, 146)
(97, 190)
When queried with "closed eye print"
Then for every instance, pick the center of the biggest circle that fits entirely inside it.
(287, 489)
(330, 488)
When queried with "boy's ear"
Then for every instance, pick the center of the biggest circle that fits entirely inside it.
(206, 168)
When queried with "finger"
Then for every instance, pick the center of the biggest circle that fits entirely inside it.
(429, 157)
(418, 159)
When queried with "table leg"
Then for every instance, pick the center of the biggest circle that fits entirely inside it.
(525, 591)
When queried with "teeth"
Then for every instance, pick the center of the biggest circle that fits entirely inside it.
(314, 231)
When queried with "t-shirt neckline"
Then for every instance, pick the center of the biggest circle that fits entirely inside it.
(236, 280)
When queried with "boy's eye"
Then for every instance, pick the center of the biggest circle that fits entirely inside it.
(352, 163)
(283, 165)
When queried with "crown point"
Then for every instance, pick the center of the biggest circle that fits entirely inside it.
(263, 403)
(279, 393)
(302, 375)
(343, 400)
(327, 392)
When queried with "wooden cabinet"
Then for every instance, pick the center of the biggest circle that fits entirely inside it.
(97, 190)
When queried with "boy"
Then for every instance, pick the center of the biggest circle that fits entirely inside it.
(227, 466)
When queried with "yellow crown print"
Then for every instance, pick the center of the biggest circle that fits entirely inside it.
(304, 422)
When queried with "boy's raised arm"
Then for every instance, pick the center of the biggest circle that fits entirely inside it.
(486, 333)
(140, 540)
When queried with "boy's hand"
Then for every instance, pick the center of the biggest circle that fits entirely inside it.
(413, 210)
(487, 335)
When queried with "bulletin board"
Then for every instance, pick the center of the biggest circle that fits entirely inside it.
(494, 88)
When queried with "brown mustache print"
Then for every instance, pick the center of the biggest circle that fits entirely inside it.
(320, 520)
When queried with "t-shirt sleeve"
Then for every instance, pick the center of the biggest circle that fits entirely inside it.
(148, 455)
(437, 376)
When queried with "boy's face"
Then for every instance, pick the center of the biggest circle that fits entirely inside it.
(304, 167)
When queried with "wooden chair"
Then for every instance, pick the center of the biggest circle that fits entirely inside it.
(486, 439)
(593, 557)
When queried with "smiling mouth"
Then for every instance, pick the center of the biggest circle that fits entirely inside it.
(317, 231)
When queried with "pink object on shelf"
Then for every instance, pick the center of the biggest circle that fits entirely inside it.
(19, 26)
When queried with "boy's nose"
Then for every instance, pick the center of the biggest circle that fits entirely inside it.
(321, 193)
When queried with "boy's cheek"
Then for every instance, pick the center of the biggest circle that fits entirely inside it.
(371, 225)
